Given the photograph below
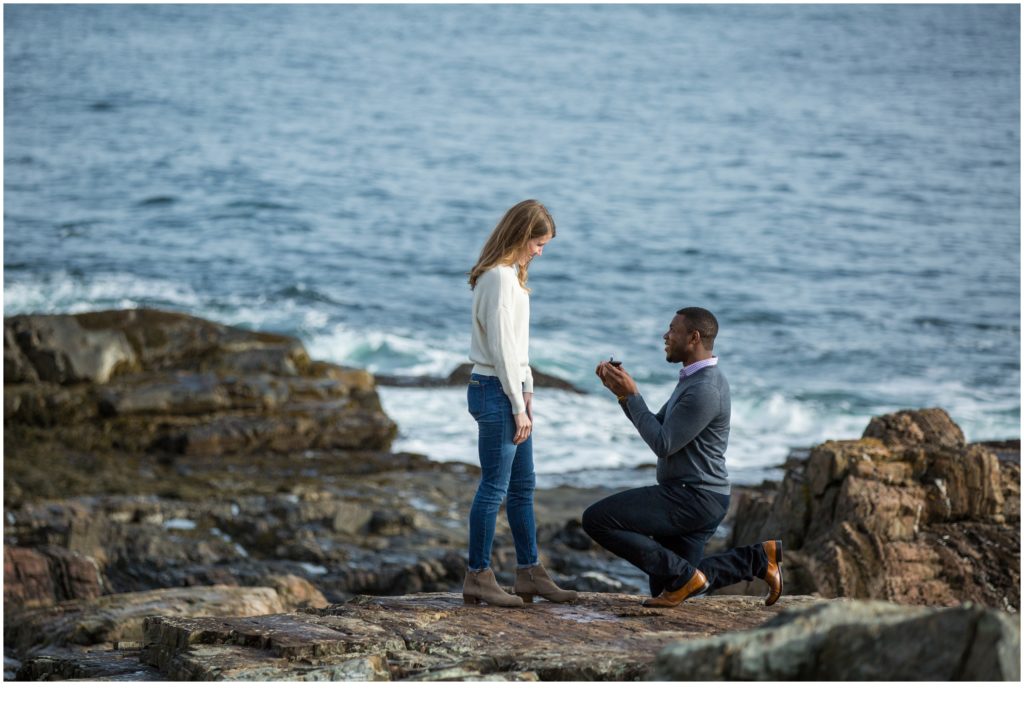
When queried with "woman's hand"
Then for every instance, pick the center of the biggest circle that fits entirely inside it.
(528, 400)
(524, 425)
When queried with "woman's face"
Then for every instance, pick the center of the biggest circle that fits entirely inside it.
(534, 247)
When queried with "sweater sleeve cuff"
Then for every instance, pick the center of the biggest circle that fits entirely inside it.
(518, 405)
(632, 403)
(528, 380)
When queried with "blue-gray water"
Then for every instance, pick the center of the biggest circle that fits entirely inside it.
(839, 184)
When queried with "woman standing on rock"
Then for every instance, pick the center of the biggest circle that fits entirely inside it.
(500, 398)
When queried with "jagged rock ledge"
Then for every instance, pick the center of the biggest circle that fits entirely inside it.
(435, 637)
(910, 513)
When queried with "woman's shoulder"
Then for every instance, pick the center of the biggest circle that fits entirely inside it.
(498, 274)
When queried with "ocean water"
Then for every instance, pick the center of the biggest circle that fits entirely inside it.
(840, 185)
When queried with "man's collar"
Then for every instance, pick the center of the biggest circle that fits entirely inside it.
(697, 366)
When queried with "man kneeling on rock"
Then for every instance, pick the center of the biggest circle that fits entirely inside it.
(663, 529)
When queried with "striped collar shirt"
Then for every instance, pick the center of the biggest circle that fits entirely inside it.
(694, 368)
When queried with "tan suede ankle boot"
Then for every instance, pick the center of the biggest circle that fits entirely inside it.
(482, 586)
(535, 580)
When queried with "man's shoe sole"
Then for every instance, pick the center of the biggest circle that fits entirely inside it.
(664, 603)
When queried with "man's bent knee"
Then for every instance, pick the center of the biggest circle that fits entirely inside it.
(590, 520)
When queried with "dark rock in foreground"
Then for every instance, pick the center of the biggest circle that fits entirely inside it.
(856, 641)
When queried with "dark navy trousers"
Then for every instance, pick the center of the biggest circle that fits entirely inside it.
(663, 529)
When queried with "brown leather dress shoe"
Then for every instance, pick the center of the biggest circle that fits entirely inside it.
(773, 575)
(698, 584)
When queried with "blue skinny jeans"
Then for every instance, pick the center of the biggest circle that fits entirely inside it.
(506, 469)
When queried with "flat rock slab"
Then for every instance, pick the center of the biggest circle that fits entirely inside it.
(78, 664)
(120, 617)
(437, 637)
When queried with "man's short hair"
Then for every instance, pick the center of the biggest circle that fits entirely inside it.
(704, 322)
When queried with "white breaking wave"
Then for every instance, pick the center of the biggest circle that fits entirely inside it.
(572, 432)
(576, 433)
(382, 352)
(62, 293)
(580, 434)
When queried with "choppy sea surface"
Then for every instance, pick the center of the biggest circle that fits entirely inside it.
(839, 184)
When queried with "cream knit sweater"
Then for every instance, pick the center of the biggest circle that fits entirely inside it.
(501, 333)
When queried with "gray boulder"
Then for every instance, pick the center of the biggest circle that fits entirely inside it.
(56, 348)
(856, 641)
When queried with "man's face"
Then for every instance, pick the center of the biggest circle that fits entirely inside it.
(678, 340)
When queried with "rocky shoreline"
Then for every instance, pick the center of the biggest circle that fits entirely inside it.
(185, 500)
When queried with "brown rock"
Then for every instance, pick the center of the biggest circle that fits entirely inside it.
(44, 576)
(181, 393)
(969, 484)
(1008, 454)
(17, 367)
(324, 426)
(49, 405)
(437, 637)
(152, 381)
(70, 664)
(119, 617)
(930, 427)
(167, 340)
(755, 506)
(296, 592)
(871, 518)
(890, 512)
(27, 579)
(351, 517)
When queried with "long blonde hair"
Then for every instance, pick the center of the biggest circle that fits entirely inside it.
(525, 221)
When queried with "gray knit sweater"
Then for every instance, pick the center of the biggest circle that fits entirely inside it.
(691, 432)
